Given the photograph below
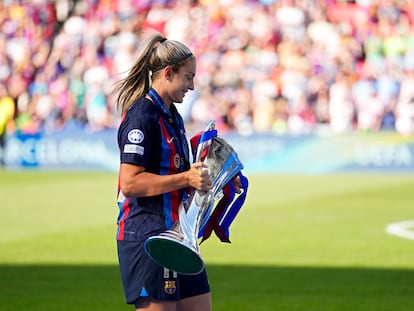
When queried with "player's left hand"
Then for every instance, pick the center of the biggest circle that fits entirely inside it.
(237, 184)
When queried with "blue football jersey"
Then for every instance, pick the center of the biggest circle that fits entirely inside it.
(153, 137)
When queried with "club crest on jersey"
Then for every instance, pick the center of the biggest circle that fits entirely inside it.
(135, 136)
(177, 161)
(170, 287)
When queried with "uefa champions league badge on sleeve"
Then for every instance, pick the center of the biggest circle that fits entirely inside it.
(135, 136)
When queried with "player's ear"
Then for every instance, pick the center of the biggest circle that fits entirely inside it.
(168, 72)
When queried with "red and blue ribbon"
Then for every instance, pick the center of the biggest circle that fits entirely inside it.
(229, 205)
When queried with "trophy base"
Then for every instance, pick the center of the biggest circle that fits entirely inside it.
(173, 254)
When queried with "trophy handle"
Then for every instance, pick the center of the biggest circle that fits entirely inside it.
(205, 144)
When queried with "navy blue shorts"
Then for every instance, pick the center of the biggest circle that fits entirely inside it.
(142, 277)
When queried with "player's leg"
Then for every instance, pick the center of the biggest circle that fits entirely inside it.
(194, 292)
(196, 303)
(150, 304)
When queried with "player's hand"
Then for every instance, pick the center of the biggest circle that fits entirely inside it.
(237, 185)
(198, 177)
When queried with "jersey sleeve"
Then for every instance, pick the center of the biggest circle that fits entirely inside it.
(135, 136)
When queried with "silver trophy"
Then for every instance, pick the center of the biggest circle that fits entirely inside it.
(178, 249)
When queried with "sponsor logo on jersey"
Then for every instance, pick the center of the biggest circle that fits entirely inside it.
(177, 161)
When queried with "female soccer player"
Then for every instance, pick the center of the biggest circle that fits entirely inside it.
(155, 174)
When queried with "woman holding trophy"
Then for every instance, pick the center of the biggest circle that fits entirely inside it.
(155, 174)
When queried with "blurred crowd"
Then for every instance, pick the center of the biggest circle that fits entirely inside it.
(281, 66)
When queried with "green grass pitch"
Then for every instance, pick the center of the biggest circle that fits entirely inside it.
(300, 243)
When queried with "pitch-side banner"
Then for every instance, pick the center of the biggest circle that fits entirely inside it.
(66, 150)
(318, 155)
(264, 153)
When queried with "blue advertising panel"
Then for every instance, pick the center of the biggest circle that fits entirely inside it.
(318, 155)
(63, 150)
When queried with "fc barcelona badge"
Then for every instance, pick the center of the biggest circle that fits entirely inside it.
(170, 287)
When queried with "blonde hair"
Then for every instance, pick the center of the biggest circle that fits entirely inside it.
(154, 54)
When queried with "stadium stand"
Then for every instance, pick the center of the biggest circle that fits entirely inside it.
(292, 67)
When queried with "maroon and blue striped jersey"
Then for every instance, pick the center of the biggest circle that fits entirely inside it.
(153, 137)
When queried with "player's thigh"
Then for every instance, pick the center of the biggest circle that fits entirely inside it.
(150, 304)
(196, 303)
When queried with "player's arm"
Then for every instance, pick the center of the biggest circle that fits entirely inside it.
(136, 182)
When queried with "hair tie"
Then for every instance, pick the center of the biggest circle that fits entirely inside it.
(163, 39)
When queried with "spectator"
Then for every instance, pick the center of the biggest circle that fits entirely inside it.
(6, 115)
(405, 105)
(341, 108)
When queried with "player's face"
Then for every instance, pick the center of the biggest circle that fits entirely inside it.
(182, 81)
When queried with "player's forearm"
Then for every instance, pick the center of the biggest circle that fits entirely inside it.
(147, 184)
